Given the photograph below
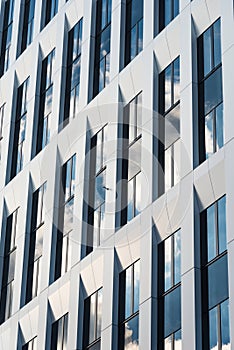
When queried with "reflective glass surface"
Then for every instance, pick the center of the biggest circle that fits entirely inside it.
(217, 43)
(213, 91)
(167, 264)
(207, 37)
(219, 126)
(222, 224)
(211, 232)
(172, 311)
(100, 190)
(131, 337)
(218, 286)
(128, 292)
(209, 134)
(136, 285)
(68, 216)
(213, 329)
(177, 257)
(225, 330)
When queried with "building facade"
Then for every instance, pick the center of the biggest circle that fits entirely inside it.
(116, 174)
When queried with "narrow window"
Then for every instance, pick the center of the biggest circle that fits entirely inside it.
(210, 92)
(97, 195)
(73, 72)
(59, 334)
(65, 226)
(46, 94)
(168, 10)
(134, 29)
(169, 291)
(102, 45)
(129, 287)
(215, 296)
(6, 35)
(8, 273)
(131, 160)
(28, 24)
(50, 10)
(31, 345)
(169, 126)
(20, 129)
(92, 321)
(36, 243)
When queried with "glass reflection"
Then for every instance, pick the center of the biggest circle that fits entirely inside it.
(105, 42)
(168, 94)
(131, 337)
(211, 233)
(176, 80)
(168, 14)
(140, 36)
(222, 224)
(128, 292)
(167, 264)
(68, 216)
(209, 134)
(11, 268)
(225, 332)
(136, 285)
(219, 127)
(130, 199)
(218, 287)
(177, 257)
(172, 311)
(99, 313)
(213, 90)
(217, 43)
(92, 325)
(39, 243)
(100, 189)
(178, 340)
(133, 42)
(213, 329)
(207, 51)
(75, 76)
(138, 194)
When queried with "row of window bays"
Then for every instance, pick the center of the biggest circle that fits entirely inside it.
(210, 104)
(214, 291)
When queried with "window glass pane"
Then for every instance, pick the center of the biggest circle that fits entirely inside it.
(68, 179)
(130, 199)
(105, 42)
(138, 194)
(177, 257)
(222, 224)
(168, 95)
(22, 129)
(75, 77)
(218, 287)
(131, 338)
(167, 264)
(104, 13)
(99, 149)
(102, 74)
(39, 243)
(137, 11)
(133, 42)
(128, 292)
(92, 319)
(48, 101)
(207, 51)
(140, 36)
(225, 332)
(176, 80)
(168, 14)
(168, 343)
(219, 127)
(209, 134)
(134, 159)
(213, 90)
(132, 120)
(211, 233)
(99, 313)
(136, 285)
(172, 311)
(68, 216)
(176, 7)
(217, 43)
(66, 255)
(11, 271)
(139, 114)
(107, 69)
(100, 190)
(213, 329)
(178, 341)
(172, 126)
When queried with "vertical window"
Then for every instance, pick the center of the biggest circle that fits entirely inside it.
(31, 345)
(102, 45)
(168, 10)
(1, 127)
(36, 243)
(134, 29)
(8, 273)
(73, 72)
(131, 162)
(215, 297)
(96, 215)
(169, 126)
(92, 321)
(59, 334)
(63, 249)
(50, 10)
(6, 35)
(129, 287)
(28, 23)
(169, 291)
(210, 91)
(46, 93)
(19, 129)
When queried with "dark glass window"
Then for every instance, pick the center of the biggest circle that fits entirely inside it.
(169, 326)
(28, 23)
(36, 243)
(19, 129)
(51, 10)
(59, 334)
(97, 195)
(6, 35)
(168, 10)
(210, 91)
(31, 345)
(65, 225)
(129, 287)
(169, 126)
(1, 127)
(73, 72)
(102, 46)
(8, 272)
(215, 302)
(46, 94)
(134, 29)
(131, 168)
(93, 321)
